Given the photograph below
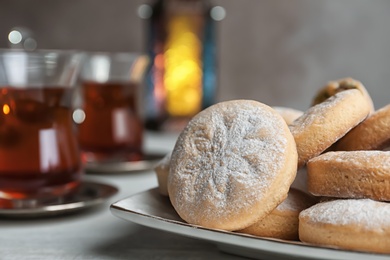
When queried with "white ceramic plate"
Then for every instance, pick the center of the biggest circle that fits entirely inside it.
(150, 209)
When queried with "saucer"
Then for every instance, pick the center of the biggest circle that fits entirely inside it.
(88, 194)
(148, 163)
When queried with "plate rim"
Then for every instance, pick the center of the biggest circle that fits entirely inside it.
(123, 167)
(223, 237)
(60, 208)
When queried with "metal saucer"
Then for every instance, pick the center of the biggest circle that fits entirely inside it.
(148, 163)
(88, 194)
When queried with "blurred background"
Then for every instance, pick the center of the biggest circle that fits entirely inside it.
(277, 52)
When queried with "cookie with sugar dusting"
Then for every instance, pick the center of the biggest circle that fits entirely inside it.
(350, 174)
(325, 123)
(232, 165)
(354, 224)
(282, 222)
(372, 134)
(162, 170)
(288, 114)
(336, 86)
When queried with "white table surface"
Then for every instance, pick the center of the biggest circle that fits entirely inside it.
(97, 234)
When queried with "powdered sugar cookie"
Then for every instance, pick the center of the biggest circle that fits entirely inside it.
(352, 174)
(372, 134)
(336, 86)
(282, 222)
(323, 124)
(362, 225)
(232, 165)
(288, 114)
(162, 171)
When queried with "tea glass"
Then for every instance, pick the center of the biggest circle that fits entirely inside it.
(109, 121)
(39, 153)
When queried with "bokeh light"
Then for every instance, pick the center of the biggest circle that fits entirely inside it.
(183, 66)
(15, 37)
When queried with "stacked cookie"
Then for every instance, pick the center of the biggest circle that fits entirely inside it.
(233, 166)
(354, 171)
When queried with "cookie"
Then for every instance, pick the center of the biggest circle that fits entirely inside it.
(325, 123)
(372, 134)
(232, 165)
(351, 174)
(288, 114)
(162, 170)
(355, 224)
(282, 222)
(336, 86)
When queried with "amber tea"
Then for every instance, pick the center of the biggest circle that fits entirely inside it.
(112, 128)
(39, 153)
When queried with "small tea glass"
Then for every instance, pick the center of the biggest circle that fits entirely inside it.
(109, 122)
(39, 153)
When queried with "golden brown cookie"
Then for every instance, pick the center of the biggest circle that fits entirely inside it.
(162, 171)
(372, 134)
(288, 114)
(323, 124)
(362, 225)
(282, 222)
(336, 86)
(352, 174)
(232, 165)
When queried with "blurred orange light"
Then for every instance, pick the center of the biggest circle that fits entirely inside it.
(182, 60)
(159, 61)
(6, 109)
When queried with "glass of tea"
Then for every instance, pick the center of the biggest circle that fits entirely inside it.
(109, 122)
(39, 153)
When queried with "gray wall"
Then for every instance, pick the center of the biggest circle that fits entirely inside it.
(278, 52)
